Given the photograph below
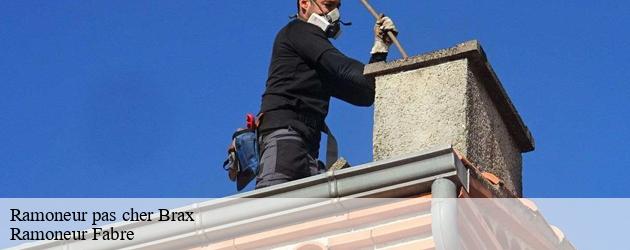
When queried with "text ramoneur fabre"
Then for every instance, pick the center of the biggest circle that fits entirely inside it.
(96, 217)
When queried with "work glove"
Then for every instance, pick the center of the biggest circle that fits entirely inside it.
(382, 42)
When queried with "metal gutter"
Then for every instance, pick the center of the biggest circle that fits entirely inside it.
(371, 176)
(394, 178)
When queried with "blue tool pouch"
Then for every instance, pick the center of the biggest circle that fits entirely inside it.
(243, 158)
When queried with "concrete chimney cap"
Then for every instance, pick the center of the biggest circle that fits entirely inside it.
(476, 56)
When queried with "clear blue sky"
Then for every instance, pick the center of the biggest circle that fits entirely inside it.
(140, 98)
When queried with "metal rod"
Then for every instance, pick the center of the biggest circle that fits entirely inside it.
(389, 33)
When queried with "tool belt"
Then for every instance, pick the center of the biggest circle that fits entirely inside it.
(243, 158)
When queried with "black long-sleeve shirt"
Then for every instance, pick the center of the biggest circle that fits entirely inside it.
(305, 71)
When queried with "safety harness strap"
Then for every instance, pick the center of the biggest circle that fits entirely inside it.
(332, 150)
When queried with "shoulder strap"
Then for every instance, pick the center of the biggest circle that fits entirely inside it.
(332, 151)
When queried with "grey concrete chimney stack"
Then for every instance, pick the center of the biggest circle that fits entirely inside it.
(451, 96)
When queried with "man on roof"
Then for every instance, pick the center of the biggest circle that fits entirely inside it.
(306, 70)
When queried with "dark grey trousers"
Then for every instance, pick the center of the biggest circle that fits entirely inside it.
(285, 157)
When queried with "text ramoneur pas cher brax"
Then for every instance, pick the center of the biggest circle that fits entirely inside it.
(96, 233)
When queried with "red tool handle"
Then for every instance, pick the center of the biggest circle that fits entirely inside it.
(251, 121)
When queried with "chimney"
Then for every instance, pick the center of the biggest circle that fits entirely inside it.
(451, 96)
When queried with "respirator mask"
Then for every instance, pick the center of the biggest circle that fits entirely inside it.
(330, 23)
